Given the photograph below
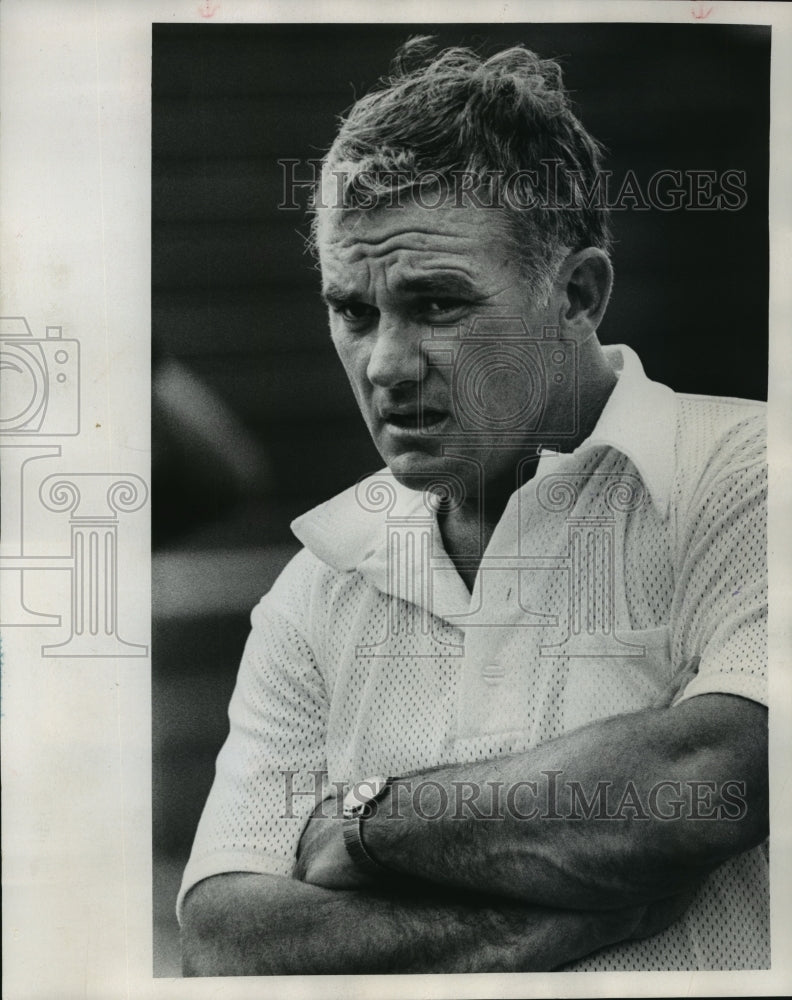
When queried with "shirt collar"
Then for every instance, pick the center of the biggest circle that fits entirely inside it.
(347, 530)
(639, 420)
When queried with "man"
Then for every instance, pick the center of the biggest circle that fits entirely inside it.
(545, 619)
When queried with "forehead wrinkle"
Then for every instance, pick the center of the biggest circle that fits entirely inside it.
(397, 245)
(406, 268)
(436, 275)
(407, 261)
(451, 220)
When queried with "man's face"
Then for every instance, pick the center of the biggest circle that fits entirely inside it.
(405, 287)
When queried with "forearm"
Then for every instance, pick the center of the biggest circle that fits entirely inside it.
(543, 848)
(242, 924)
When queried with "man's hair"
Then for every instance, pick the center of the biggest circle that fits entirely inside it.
(501, 125)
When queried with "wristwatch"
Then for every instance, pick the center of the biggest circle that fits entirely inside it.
(360, 803)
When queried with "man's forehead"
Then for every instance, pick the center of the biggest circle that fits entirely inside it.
(406, 266)
(345, 237)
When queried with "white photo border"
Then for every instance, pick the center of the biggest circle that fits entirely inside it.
(75, 189)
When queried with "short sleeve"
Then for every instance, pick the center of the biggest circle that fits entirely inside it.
(719, 612)
(270, 770)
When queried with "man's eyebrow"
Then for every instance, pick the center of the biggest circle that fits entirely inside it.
(334, 294)
(441, 283)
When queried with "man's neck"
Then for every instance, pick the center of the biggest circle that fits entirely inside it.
(467, 530)
(597, 382)
(465, 538)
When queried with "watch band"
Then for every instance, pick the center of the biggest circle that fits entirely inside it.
(353, 835)
(357, 849)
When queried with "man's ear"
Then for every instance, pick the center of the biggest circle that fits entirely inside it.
(585, 282)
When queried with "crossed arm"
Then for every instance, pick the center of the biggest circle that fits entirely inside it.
(516, 893)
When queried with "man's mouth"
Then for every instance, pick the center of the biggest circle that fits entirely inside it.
(415, 421)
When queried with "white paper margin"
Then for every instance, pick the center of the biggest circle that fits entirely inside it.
(75, 211)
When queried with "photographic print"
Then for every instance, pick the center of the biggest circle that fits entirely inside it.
(421, 365)
(258, 426)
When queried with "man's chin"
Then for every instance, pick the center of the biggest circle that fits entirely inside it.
(420, 471)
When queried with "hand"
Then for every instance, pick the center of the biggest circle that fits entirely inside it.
(322, 857)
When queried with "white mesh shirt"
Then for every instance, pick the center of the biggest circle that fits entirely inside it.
(354, 669)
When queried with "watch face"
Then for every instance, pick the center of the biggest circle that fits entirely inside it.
(362, 793)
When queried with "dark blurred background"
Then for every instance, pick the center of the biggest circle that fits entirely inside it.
(253, 421)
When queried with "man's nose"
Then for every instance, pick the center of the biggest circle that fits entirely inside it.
(397, 354)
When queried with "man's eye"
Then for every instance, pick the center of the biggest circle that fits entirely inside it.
(355, 312)
(444, 308)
